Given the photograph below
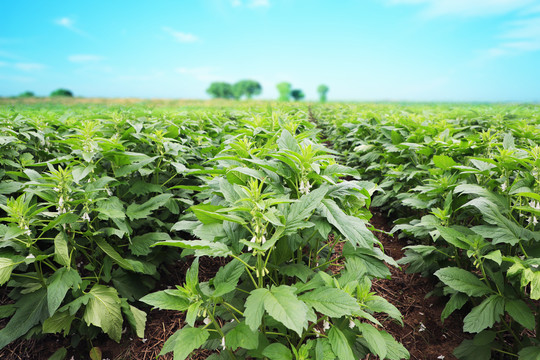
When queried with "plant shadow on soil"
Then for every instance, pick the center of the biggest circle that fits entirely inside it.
(423, 333)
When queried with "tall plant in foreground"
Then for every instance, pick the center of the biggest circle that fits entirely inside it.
(278, 211)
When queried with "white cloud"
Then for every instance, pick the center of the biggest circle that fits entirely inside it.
(84, 58)
(29, 66)
(236, 3)
(181, 36)
(19, 79)
(65, 22)
(520, 36)
(435, 8)
(69, 24)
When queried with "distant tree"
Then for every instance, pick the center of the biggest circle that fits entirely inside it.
(247, 88)
(27, 94)
(221, 90)
(284, 89)
(61, 92)
(297, 94)
(322, 90)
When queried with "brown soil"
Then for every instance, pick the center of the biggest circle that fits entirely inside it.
(423, 334)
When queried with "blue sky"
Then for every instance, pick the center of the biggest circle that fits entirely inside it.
(420, 50)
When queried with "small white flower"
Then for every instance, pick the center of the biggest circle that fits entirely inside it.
(263, 240)
(325, 325)
(61, 200)
(30, 256)
(56, 189)
(503, 186)
(28, 232)
(351, 324)
(534, 266)
(207, 321)
(223, 343)
(109, 192)
(144, 340)
(86, 217)
(422, 327)
(440, 357)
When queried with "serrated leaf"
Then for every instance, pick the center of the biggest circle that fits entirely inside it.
(394, 350)
(140, 245)
(6, 267)
(484, 315)
(202, 247)
(59, 283)
(323, 350)
(456, 302)
(167, 300)
(349, 226)
(31, 309)
(340, 344)
(330, 301)
(277, 351)
(283, 305)
(140, 211)
(135, 317)
(443, 162)
(255, 308)
(529, 353)
(103, 310)
(110, 251)
(227, 277)
(520, 312)
(61, 250)
(373, 337)
(462, 281)
(242, 337)
(60, 321)
(184, 341)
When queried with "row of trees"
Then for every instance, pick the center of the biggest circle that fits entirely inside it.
(250, 88)
(247, 88)
(55, 93)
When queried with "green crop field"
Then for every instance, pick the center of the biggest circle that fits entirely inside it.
(100, 204)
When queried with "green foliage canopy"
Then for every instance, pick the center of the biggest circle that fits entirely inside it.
(61, 92)
(297, 94)
(322, 90)
(221, 90)
(284, 89)
(249, 88)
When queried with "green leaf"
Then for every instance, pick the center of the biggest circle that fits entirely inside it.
(242, 337)
(351, 227)
(140, 211)
(59, 354)
(31, 309)
(302, 209)
(394, 350)
(103, 310)
(462, 281)
(60, 321)
(288, 142)
(283, 305)
(167, 300)
(484, 315)
(529, 353)
(443, 162)
(227, 277)
(202, 247)
(520, 312)
(277, 351)
(456, 302)
(61, 250)
(323, 350)
(111, 208)
(140, 245)
(184, 341)
(340, 344)
(135, 317)
(331, 301)
(59, 283)
(301, 271)
(373, 337)
(110, 251)
(6, 267)
(209, 214)
(255, 307)
(95, 353)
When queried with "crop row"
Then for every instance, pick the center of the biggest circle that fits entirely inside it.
(463, 185)
(96, 201)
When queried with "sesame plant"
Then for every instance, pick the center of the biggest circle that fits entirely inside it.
(465, 188)
(279, 211)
